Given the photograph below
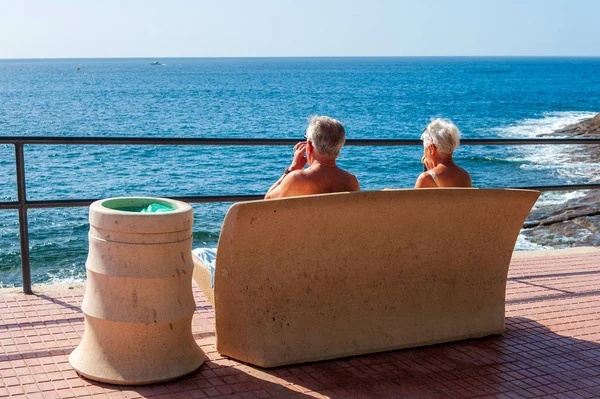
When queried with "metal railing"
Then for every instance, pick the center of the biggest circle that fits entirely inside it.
(23, 204)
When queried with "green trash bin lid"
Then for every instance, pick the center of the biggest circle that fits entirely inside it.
(139, 205)
(152, 208)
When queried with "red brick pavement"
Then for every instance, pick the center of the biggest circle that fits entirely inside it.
(551, 349)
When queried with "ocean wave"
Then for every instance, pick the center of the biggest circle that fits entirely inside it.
(587, 169)
(524, 244)
(561, 160)
(548, 123)
(544, 156)
(64, 276)
(558, 197)
(479, 159)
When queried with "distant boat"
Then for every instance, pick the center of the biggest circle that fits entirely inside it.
(155, 63)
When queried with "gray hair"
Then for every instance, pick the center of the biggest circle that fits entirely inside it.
(327, 135)
(443, 134)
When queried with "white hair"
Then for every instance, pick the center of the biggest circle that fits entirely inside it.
(443, 134)
(327, 135)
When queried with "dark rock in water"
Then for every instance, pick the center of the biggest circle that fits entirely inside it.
(577, 221)
(586, 128)
(574, 223)
(581, 232)
(559, 215)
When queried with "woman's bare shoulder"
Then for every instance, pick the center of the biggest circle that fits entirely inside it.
(425, 180)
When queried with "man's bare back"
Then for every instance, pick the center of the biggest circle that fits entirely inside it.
(317, 179)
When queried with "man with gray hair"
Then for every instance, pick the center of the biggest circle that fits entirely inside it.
(325, 137)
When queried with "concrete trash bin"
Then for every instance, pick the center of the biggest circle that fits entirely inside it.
(138, 303)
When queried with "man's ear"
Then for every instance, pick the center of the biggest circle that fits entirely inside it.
(432, 148)
(309, 146)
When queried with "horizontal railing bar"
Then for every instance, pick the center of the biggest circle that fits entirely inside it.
(245, 197)
(9, 205)
(567, 187)
(142, 141)
(266, 142)
(528, 141)
(221, 198)
(193, 199)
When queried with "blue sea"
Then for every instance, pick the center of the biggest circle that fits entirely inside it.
(266, 98)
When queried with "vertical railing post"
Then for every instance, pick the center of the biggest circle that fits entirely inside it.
(23, 228)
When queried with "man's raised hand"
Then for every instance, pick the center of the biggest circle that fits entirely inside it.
(299, 160)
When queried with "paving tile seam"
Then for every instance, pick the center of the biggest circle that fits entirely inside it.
(547, 263)
(556, 281)
(545, 269)
(533, 290)
(545, 266)
(560, 305)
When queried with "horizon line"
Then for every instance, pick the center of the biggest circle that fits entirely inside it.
(293, 56)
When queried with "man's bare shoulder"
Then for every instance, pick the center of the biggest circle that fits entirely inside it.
(345, 181)
(291, 185)
(351, 181)
(297, 183)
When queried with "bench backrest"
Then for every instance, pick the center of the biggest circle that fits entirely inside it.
(317, 277)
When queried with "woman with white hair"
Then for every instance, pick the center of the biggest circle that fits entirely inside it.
(440, 139)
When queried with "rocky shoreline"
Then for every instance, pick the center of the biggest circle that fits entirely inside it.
(571, 224)
(576, 222)
(586, 128)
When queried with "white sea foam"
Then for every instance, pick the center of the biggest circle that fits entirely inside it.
(543, 157)
(556, 198)
(65, 276)
(555, 157)
(523, 244)
(549, 123)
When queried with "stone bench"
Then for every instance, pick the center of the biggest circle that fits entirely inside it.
(320, 277)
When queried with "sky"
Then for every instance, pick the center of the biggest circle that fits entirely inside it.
(294, 28)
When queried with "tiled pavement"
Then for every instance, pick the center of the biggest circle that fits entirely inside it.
(551, 349)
